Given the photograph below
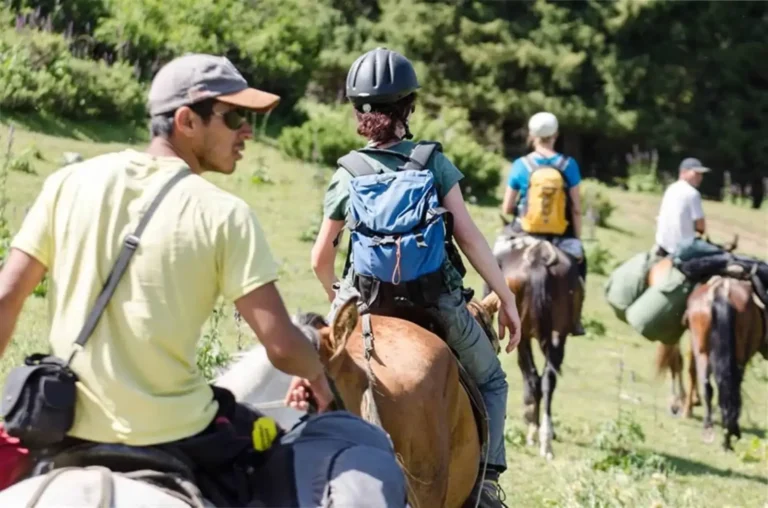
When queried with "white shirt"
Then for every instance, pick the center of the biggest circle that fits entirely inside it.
(680, 209)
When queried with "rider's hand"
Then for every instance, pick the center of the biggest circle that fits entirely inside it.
(509, 319)
(301, 390)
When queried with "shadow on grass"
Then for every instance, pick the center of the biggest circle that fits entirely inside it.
(620, 230)
(687, 467)
(690, 467)
(100, 132)
(751, 430)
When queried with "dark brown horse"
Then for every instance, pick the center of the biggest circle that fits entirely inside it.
(728, 325)
(410, 386)
(549, 298)
(669, 356)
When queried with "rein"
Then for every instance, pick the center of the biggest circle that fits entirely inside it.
(337, 404)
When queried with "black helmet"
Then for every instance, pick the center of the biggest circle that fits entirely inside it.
(381, 76)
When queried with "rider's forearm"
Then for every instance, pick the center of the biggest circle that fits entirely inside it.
(323, 266)
(475, 247)
(577, 223)
(296, 356)
(288, 349)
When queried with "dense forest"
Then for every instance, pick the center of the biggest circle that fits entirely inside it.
(633, 82)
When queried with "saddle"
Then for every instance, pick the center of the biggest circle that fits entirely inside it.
(702, 268)
(118, 458)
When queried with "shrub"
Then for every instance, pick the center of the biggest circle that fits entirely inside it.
(599, 259)
(330, 133)
(594, 196)
(451, 127)
(327, 135)
(642, 171)
(39, 73)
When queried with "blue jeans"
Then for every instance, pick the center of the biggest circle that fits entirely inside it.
(476, 355)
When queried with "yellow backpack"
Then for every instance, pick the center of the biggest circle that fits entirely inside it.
(544, 211)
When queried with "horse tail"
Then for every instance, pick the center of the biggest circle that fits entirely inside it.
(724, 364)
(539, 294)
(668, 357)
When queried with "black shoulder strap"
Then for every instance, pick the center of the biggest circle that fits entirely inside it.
(130, 244)
(420, 155)
(356, 164)
(563, 163)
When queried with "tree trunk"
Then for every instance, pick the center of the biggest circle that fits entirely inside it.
(758, 191)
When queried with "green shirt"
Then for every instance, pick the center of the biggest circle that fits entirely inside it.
(446, 175)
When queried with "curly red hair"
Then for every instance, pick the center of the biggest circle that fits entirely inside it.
(379, 125)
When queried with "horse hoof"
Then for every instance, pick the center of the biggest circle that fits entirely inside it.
(547, 454)
(674, 409)
(708, 436)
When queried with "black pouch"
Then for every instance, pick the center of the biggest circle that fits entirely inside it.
(38, 403)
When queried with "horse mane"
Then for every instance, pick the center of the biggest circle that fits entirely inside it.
(310, 324)
(312, 319)
(485, 322)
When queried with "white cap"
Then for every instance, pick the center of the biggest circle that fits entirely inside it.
(542, 125)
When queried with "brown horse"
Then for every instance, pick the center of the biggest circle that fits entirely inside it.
(550, 295)
(669, 356)
(410, 386)
(728, 325)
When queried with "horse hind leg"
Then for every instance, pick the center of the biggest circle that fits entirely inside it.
(554, 352)
(668, 357)
(692, 398)
(531, 389)
(677, 376)
(703, 371)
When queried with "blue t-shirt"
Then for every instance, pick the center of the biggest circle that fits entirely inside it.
(519, 175)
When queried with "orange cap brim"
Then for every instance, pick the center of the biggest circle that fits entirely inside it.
(251, 98)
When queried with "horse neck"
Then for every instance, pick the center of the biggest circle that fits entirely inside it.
(350, 379)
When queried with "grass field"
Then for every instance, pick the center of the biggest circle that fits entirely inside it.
(604, 375)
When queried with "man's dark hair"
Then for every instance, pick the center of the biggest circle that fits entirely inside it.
(161, 126)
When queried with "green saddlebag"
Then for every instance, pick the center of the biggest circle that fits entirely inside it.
(627, 282)
(658, 314)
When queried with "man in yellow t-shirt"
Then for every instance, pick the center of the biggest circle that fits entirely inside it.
(138, 381)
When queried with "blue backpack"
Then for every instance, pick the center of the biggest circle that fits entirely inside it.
(397, 230)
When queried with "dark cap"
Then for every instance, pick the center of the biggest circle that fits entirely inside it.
(195, 77)
(692, 164)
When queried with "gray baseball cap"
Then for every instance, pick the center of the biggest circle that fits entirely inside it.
(195, 77)
(692, 164)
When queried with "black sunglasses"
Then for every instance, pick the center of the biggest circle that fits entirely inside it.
(233, 119)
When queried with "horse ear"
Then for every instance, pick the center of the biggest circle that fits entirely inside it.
(344, 322)
(491, 303)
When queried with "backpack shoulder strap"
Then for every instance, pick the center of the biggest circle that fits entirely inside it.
(563, 163)
(421, 153)
(356, 164)
(529, 162)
